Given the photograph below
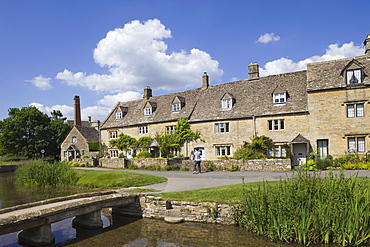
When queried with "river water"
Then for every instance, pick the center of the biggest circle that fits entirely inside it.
(120, 231)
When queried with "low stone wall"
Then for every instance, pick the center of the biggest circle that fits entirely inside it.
(207, 165)
(9, 168)
(155, 207)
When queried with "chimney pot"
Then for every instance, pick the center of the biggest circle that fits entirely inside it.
(367, 46)
(205, 80)
(253, 71)
(77, 108)
(147, 93)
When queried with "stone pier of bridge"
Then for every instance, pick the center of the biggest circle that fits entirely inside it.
(34, 219)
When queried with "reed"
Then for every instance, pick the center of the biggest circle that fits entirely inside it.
(38, 173)
(308, 209)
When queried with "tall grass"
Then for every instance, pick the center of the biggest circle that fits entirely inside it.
(308, 209)
(38, 173)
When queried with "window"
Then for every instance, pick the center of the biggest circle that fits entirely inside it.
(222, 127)
(223, 151)
(147, 111)
(144, 129)
(354, 76)
(74, 139)
(277, 151)
(322, 148)
(356, 144)
(113, 134)
(276, 124)
(114, 153)
(355, 110)
(176, 107)
(279, 98)
(227, 104)
(118, 115)
(170, 129)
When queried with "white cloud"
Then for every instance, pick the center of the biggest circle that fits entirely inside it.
(67, 111)
(334, 51)
(96, 112)
(43, 83)
(136, 57)
(111, 100)
(267, 38)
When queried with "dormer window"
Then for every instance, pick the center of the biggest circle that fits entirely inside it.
(149, 108)
(279, 98)
(176, 107)
(354, 76)
(147, 111)
(118, 115)
(227, 101)
(226, 104)
(177, 104)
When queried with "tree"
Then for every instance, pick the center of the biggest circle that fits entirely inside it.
(257, 149)
(124, 142)
(27, 131)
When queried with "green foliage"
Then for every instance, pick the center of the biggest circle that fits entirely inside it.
(144, 154)
(27, 131)
(257, 149)
(40, 173)
(144, 142)
(165, 142)
(309, 210)
(124, 142)
(94, 146)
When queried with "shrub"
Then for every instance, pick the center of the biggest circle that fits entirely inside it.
(144, 154)
(309, 210)
(39, 173)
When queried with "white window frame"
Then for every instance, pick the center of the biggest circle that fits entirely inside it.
(74, 139)
(176, 107)
(143, 129)
(276, 124)
(222, 127)
(170, 129)
(323, 148)
(355, 110)
(113, 153)
(356, 72)
(226, 104)
(223, 151)
(148, 111)
(279, 98)
(113, 134)
(118, 115)
(277, 151)
(356, 144)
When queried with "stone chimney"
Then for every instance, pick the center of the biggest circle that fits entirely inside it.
(77, 117)
(205, 80)
(147, 93)
(253, 71)
(367, 46)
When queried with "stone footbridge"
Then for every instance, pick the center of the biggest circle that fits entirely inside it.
(34, 219)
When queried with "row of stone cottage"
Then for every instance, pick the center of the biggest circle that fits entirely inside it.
(323, 108)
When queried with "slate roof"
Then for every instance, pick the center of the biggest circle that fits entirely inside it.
(90, 133)
(251, 97)
(329, 74)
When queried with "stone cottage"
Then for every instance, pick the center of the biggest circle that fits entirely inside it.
(76, 144)
(323, 108)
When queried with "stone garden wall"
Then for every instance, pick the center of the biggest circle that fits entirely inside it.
(156, 208)
(207, 165)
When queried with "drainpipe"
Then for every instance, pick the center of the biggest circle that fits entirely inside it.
(254, 125)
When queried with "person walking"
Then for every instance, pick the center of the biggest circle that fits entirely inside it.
(197, 160)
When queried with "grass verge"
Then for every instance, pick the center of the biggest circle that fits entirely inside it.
(229, 194)
(115, 179)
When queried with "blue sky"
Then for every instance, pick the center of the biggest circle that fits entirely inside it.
(108, 51)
